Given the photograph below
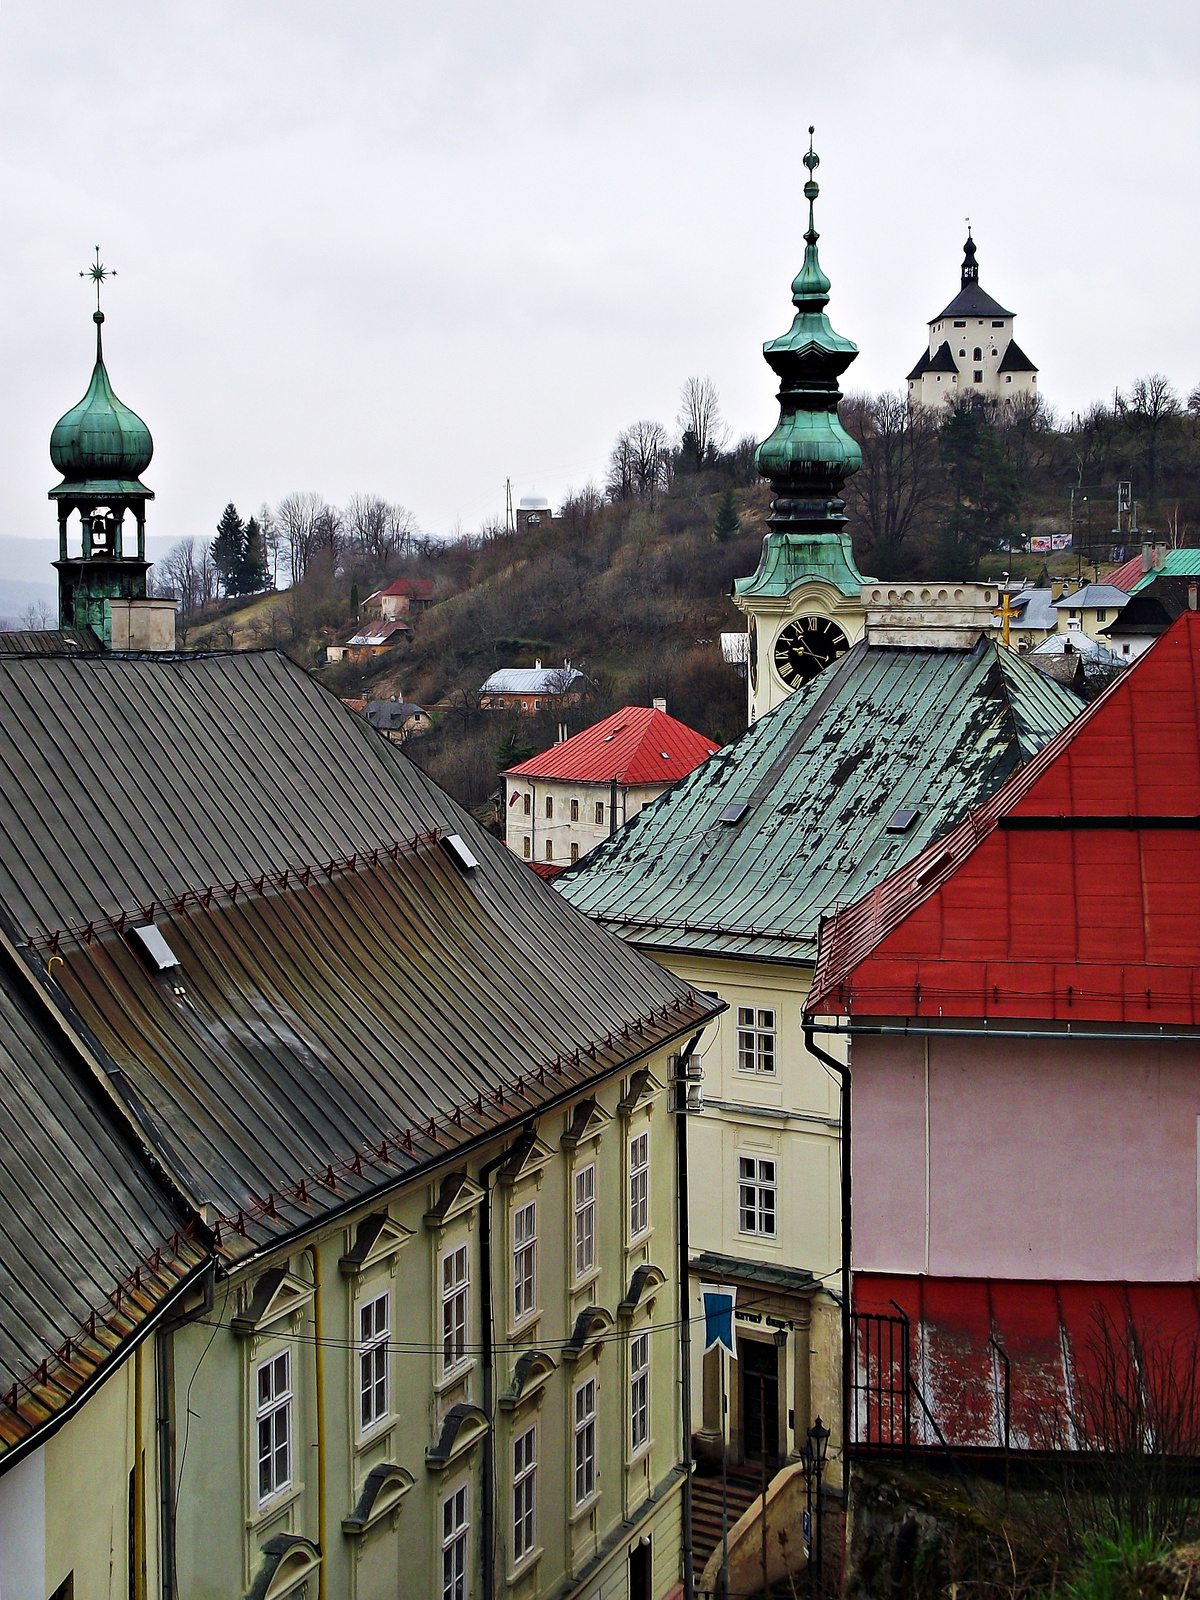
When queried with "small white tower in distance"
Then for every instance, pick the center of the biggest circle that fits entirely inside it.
(971, 348)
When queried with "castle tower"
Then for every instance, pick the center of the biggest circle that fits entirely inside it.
(971, 348)
(804, 602)
(101, 448)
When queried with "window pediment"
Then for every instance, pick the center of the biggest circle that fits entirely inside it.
(643, 1085)
(458, 1196)
(289, 1560)
(646, 1279)
(464, 1426)
(591, 1325)
(529, 1156)
(382, 1491)
(530, 1375)
(377, 1239)
(277, 1294)
(588, 1122)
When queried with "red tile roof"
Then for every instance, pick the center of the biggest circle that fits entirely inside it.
(636, 745)
(1073, 894)
(414, 588)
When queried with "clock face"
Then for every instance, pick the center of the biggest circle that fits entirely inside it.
(806, 647)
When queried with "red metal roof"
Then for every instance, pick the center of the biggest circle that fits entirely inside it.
(414, 588)
(1126, 576)
(1068, 1347)
(1073, 894)
(545, 869)
(636, 745)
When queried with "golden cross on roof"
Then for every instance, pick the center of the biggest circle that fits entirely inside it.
(1006, 611)
(98, 272)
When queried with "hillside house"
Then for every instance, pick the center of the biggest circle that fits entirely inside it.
(368, 640)
(530, 689)
(397, 720)
(403, 599)
(559, 804)
(1021, 1007)
(428, 1357)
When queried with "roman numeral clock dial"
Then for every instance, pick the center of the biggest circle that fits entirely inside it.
(806, 647)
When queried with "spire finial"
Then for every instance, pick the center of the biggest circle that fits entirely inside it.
(811, 189)
(98, 273)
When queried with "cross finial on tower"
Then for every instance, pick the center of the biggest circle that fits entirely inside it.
(98, 273)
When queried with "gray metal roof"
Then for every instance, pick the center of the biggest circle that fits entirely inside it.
(349, 1004)
(931, 730)
(531, 680)
(79, 1215)
(1093, 594)
(392, 713)
(50, 641)
(1037, 609)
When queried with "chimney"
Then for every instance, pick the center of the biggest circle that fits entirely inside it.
(1192, 596)
(659, 705)
(1147, 555)
(562, 733)
(1056, 589)
(1160, 554)
(537, 665)
(945, 616)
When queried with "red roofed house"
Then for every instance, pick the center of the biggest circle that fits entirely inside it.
(403, 598)
(575, 794)
(1023, 1001)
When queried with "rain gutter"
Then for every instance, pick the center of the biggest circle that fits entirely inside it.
(910, 1031)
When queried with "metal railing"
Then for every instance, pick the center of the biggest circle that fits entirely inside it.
(880, 1385)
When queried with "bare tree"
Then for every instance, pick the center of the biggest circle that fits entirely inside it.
(297, 518)
(1150, 407)
(379, 530)
(699, 420)
(36, 618)
(272, 539)
(640, 462)
(900, 476)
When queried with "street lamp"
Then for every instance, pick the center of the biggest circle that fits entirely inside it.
(817, 1449)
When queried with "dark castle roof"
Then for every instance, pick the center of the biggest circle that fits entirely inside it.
(1014, 359)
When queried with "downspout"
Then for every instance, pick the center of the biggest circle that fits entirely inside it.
(843, 1073)
(137, 1586)
(488, 1470)
(320, 1373)
(685, 1314)
(164, 1374)
(612, 809)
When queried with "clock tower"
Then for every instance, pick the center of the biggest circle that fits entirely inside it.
(804, 603)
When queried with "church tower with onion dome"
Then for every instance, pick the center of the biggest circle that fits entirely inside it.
(102, 448)
(972, 349)
(804, 603)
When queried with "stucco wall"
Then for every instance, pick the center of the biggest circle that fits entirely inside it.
(1025, 1159)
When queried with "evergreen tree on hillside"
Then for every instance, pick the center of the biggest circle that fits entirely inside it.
(229, 550)
(728, 523)
(252, 575)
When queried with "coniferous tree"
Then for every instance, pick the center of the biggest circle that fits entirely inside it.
(728, 522)
(252, 575)
(229, 550)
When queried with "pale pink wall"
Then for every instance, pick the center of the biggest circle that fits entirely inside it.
(1046, 1160)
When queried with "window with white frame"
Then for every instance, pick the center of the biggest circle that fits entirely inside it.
(639, 1184)
(274, 1417)
(585, 1219)
(455, 1285)
(373, 1360)
(639, 1391)
(756, 1196)
(756, 1040)
(600, 812)
(524, 1258)
(456, 1531)
(524, 1481)
(585, 1441)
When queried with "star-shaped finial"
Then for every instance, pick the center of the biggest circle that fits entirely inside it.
(98, 272)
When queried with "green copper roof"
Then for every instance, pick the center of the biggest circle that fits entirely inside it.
(932, 730)
(1178, 564)
(101, 441)
(789, 559)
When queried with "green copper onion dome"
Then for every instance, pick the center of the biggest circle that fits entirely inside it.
(810, 455)
(100, 439)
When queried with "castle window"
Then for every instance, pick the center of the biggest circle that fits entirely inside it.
(962, 352)
(1008, 377)
(998, 324)
(978, 354)
(978, 376)
(960, 324)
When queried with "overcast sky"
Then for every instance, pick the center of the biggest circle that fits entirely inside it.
(418, 249)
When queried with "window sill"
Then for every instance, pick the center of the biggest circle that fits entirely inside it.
(578, 1285)
(525, 1566)
(268, 1510)
(640, 1239)
(456, 1375)
(585, 1507)
(640, 1455)
(526, 1323)
(378, 1433)
(767, 1240)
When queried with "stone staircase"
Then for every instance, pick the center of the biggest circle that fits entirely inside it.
(744, 1489)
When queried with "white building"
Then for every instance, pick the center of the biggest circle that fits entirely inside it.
(565, 801)
(971, 349)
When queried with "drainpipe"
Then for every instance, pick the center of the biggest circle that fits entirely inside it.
(137, 1586)
(843, 1074)
(612, 809)
(320, 1372)
(685, 1314)
(488, 1472)
(164, 1373)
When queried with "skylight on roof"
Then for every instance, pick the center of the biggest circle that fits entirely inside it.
(458, 851)
(155, 947)
(902, 819)
(734, 812)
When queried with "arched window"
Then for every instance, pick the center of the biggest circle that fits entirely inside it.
(978, 356)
